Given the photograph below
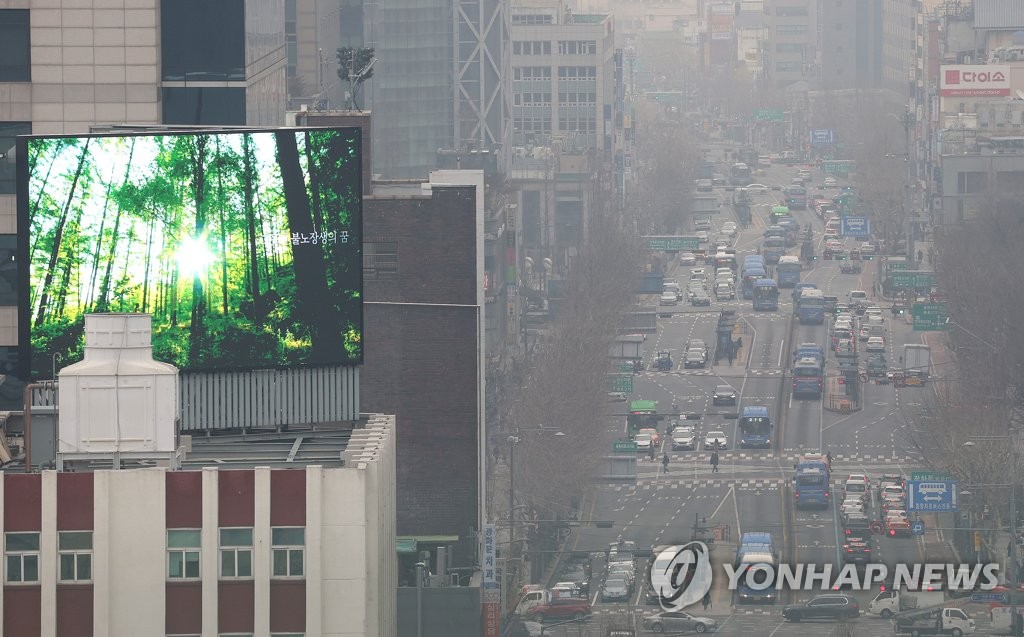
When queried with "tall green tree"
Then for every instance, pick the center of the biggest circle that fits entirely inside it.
(197, 331)
(248, 194)
(58, 235)
(102, 302)
(310, 276)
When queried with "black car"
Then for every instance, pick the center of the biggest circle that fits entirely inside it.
(695, 358)
(857, 525)
(724, 395)
(832, 607)
(857, 551)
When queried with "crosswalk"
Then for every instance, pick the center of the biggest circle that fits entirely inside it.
(790, 456)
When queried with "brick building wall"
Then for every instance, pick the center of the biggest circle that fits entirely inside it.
(421, 362)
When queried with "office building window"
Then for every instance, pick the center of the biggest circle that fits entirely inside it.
(971, 183)
(788, 67)
(235, 553)
(8, 131)
(15, 58)
(380, 259)
(577, 47)
(790, 48)
(202, 40)
(791, 29)
(531, 47)
(288, 551)
(531, 73)
(74, 550)
(204, 105)
(291, 38)
(532, 19)
(183, 554)
(22, 553)
(790, 11)
(577, 72)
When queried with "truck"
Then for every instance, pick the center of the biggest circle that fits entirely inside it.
(917, 360)
(893, 602)
(705, 204)
(627, 346)
(1002, 619)
(650, 283)
(942, 621)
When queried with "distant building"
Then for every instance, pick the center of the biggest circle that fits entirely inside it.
(562, 76)
(792, 41)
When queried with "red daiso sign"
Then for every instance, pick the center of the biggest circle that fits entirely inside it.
(974, 80)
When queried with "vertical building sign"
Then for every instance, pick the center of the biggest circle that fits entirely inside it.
(491, 589)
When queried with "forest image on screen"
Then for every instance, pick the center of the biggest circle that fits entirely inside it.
(246, 248)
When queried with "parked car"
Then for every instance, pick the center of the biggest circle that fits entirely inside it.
(678, 622)
(724, 395)
(834, 607)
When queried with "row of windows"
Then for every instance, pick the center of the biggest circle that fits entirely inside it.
(577, 72)
(582, 124)
(532, 18)
(792, 29)
(534, 47)
(790, 11)
(74, 554)
(246, 635)
(577, 47)
(531, 124)
(531, 99)
(789, 67)
(577, 98)
(531, 73)
(790, 48)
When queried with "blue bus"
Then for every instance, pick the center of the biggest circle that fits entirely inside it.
(766, 295)
(773, 249)
(740, 174)
(787, 272)
(748, 554)
(751, 274)
(811, 307)
(811, 487)
(808, 378)
(755, 427)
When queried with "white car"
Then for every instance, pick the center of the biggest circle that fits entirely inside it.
(684, 439)
(698, 274)
(716, 440)
(875, 344)
(643, 442)
(687, 258)
(759, 189)
(729, 229)
(724, 292)
(668, 297)
(702, 236)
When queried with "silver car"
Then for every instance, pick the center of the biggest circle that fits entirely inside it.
(678, 622)
(615, 590)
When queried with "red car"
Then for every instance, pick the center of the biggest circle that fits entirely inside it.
(564, 608)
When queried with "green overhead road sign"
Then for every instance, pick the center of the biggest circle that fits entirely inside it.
(769, 115)
(929, 316)
(837, 167)
(672, 244)
(912, 279)
(930, 476)
(624, 368)
(624, 446)
(621, 382)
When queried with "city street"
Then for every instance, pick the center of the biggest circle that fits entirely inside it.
(752, 489)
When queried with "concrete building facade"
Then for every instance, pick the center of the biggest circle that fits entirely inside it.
(793, 39)
(232, 549)
(562, 77)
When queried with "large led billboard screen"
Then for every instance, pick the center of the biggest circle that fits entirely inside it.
(245, 247)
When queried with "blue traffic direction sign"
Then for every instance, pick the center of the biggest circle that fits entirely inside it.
(917, 527)
(931, 496)
(855, 227)
(822, 136)
(997, 598)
